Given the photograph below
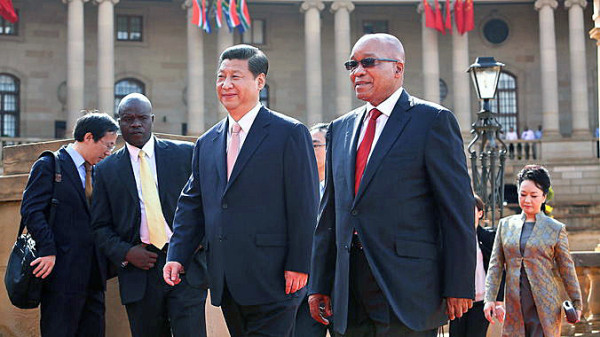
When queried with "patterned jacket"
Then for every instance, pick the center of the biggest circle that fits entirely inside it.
(546, 248)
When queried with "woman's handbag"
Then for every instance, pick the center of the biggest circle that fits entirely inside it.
(570, 312)
(23, 288)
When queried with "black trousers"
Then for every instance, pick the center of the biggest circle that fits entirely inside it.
(165, 309)
(72, 315)
(306, 326)
(471, 324)
(266, 320)
(369, 313)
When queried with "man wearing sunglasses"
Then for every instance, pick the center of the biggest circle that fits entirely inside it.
(389, 247)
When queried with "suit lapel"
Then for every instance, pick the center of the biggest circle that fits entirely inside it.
(125, 172)
(220, 152)
(392, 130)
(257, 133)
(70, 171)
(351, 142)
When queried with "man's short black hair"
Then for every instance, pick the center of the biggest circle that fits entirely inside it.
(257, 60)
(96, 123)
(321, 127)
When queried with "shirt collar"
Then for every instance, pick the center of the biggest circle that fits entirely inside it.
(246, 121)
(76, 156)
(148, 149)
(386, 107)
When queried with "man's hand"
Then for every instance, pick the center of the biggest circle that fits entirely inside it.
(320, 308)
(456, 307)
(294, 281)
(140, 257)
(171, 272)
(45, 264)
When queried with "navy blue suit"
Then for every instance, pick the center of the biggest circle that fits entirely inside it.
(116, 220)
(259, 223)
(73, 294)
(413, 213)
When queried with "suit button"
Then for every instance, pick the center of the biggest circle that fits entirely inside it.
(354, 212)
(224, 206)
(220, 238)
(346, 247)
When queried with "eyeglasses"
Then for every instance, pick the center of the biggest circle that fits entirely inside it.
(109, 147)
(315, 145)
(366, 62)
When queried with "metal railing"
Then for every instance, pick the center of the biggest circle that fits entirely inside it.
(524, 149)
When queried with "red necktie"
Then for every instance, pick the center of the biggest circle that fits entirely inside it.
(365, 148)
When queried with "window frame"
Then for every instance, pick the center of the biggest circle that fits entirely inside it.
(17, 112)
(496, 104)
(387, 25)
(267, 98)
(129, 18)
(251, 32)
(116, 96)
(4, 23)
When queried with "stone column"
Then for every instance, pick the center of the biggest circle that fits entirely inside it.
(75, 62)
(313, 68)
(595, 35)
(106, 55)
(224, 41)
(549, 99)
(343, 93)
(579, 96)
(460, 80)
(431, 63)
(195, 74)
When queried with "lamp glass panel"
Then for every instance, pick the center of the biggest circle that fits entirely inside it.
(487, 79)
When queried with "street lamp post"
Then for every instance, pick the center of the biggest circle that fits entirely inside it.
(487, 150)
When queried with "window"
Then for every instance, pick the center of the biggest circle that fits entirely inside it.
(8, 28)
(264, 96)
(60, 129)
(495, 31)
(505, 103)
(125, 87)
(443, 90)
(255, 34)
(375, 26)
(129, 28)
(9, 106)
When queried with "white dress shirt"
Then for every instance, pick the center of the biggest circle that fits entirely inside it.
(386, 107)
(479, 276)
(78, 161)
(135, 164)
(245, 123)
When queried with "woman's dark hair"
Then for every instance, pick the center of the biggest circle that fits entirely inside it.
(479, 204)
(539, 176)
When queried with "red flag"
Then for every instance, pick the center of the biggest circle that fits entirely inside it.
(195, 13)
(429, 15)
(235, 19)
(448, 20)
(469, 16)
(439, 24)
(459, 16)
(7, 11)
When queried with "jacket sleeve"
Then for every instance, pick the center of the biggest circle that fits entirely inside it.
(496, 267)
(107, 239)
(324, 248)
(566, 268)
(301, 181)
(34, 208)
(449, 179)
(188, 223)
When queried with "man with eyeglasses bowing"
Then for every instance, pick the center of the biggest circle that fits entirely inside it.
(390, 254)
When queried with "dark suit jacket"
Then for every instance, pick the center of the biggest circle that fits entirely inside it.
(71, 238)
(485, 237)
(259, 223)
(116, 208)
(413, 213)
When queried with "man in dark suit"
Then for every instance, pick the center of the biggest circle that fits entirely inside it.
(72, 302)
(391, 247)
(253, 195)
(134, 202)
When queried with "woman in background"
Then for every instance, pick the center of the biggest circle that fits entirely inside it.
(528, 246)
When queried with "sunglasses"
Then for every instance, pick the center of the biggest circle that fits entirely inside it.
(366, 63)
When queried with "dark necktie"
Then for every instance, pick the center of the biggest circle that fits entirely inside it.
(365, 148)
(88, 182)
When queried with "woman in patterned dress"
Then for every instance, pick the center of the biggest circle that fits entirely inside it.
(528, 246)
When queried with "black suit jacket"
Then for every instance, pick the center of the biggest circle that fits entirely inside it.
(116, 209)
(71, 237)
(260, 222)
(413, 213)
